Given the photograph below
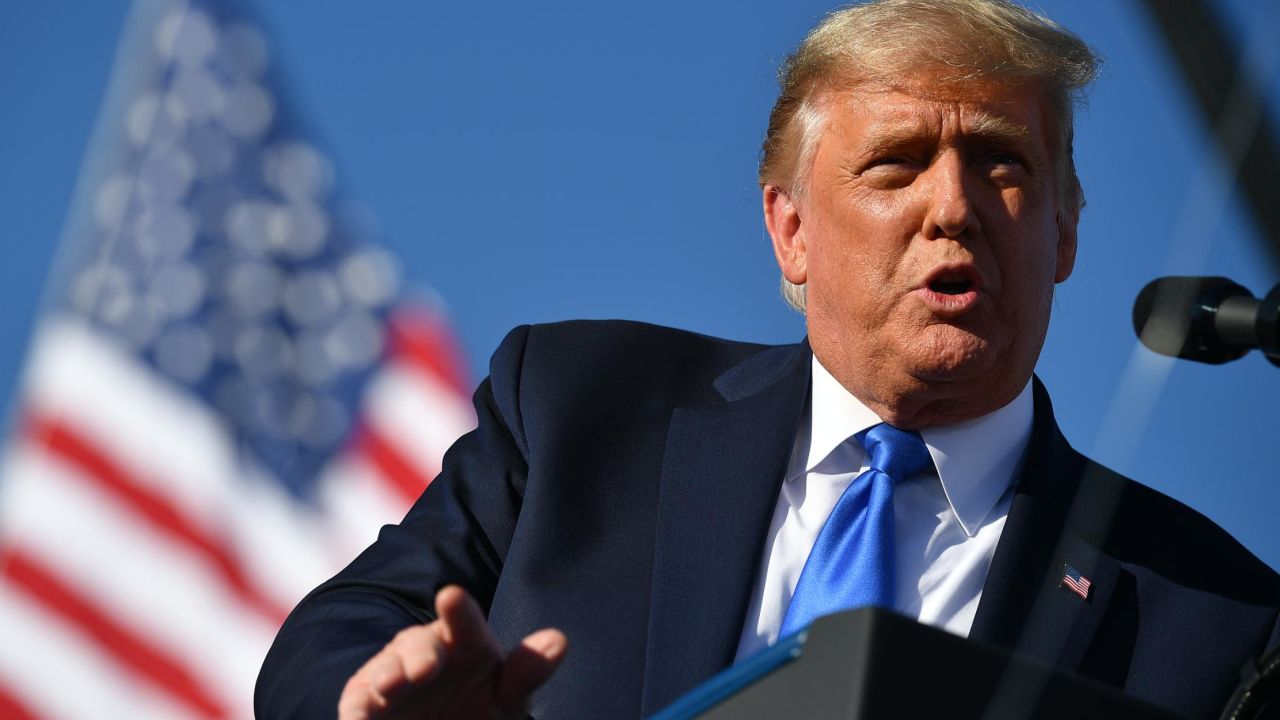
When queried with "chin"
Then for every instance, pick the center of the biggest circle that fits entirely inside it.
(950, 354)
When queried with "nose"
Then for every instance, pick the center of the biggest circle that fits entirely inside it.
(951, 204)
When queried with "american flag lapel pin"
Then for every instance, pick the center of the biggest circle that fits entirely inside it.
(1075, 582)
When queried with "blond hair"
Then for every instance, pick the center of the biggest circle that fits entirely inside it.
(883, 39)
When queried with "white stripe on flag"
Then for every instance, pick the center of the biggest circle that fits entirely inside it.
(55, 673)
(356, 504)
(161, 593)
(420, 415)
(146, 422)
(168, 442)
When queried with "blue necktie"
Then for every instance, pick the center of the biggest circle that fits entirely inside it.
(852, 561)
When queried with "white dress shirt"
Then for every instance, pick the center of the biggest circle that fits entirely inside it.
(946, 523)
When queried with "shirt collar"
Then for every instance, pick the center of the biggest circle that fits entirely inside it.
(976, 459)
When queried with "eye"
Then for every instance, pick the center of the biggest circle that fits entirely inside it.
(1004, 158)
(888, 163)
(1006, 166)
(889, 171)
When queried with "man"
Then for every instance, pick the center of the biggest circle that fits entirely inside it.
(657, 496)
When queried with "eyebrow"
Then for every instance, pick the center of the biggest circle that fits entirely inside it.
(993, 127)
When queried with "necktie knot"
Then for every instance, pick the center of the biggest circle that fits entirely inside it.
(895, 452)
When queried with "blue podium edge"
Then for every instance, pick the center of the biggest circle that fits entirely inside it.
(732, 679)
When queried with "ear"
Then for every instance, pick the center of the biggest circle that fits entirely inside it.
(1067, 222)
(782, 220)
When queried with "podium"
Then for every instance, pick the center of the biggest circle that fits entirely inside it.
(872, 664)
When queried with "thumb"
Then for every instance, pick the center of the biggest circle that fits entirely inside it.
(527, 667)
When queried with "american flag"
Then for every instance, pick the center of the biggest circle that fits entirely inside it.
(227, 396)
(1075, 582)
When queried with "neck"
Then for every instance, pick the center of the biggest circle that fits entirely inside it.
(923, 404)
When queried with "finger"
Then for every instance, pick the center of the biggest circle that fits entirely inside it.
(474, 654)
(463, 622)
(365, 692)
(420, 651)
(359, 702)
(527, 667)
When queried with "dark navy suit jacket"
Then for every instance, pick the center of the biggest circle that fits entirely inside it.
(620, 486)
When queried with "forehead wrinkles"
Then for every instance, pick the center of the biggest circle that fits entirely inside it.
(886, 119)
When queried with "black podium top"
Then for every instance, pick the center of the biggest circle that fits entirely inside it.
(872, 663)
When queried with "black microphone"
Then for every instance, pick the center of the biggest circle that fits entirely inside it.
(1207, 319)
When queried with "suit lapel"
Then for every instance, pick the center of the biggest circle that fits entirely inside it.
(720, 481)
(1054, 521)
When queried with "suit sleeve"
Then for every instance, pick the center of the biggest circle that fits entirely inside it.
(458, 532)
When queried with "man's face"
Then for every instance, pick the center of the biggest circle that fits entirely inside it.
(928, 242)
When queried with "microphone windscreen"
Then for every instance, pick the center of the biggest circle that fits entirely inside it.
(1174, 316)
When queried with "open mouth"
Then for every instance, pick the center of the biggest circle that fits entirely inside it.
(951, 290)
(956, 279)
(951, 285)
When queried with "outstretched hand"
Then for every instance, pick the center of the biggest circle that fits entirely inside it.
(451, 668)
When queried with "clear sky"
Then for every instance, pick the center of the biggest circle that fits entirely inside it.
(541, 161)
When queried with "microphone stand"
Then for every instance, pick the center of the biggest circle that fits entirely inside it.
(1269, 324)
(1246, 321)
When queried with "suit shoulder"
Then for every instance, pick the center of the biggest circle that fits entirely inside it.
(625, 362)
(1154, 530)
(630, 335)
(622, 345)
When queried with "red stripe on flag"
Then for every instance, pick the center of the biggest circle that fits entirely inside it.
(11, 708)
(400, 473)
(70, 446)
(424, 342)
(166, 672)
